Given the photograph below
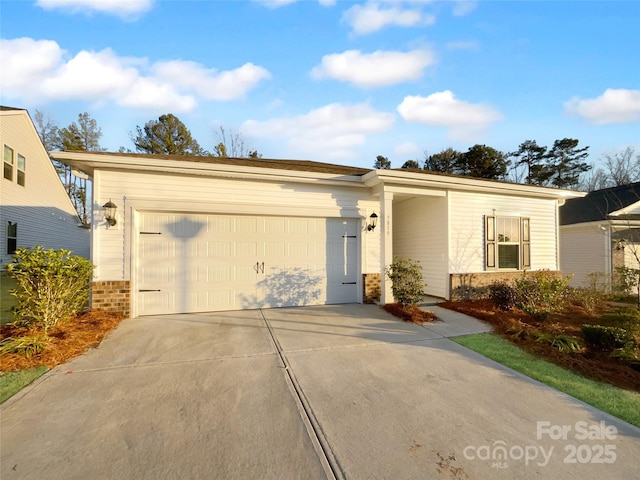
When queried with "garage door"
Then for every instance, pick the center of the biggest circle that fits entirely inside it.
(198, 263)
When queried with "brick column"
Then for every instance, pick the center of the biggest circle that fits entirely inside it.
(111, 296)
(372, 287)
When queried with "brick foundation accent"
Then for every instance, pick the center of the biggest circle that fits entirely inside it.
(466, 286)
(372, 285)
(111, 296)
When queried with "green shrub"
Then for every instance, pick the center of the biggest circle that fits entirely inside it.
(560, 341)
(607, 339)
(542, 293)
(503, 296)
(25, 346)
(627, 318)
(407, 283)
(625, 280)
(590, 300)
(52, 286)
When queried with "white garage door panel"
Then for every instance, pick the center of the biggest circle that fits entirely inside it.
(192, 263)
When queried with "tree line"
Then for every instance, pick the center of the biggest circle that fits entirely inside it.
(165, 136)
(563, 165)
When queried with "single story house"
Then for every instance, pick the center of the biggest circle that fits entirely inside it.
(34, 206)
(600, 232)
(193, 234)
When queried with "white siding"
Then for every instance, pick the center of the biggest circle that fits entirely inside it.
(466, 228)
(583, 250)
(133, 192)
(41, 208)
(420, 233)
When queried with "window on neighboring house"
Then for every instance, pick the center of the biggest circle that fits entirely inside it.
(8, 163)
(22, 165)
(507, 242)
(12, 238)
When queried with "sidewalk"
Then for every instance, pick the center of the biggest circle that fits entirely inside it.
(453, 324)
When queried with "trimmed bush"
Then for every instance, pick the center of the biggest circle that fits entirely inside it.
(503, 296)
(606, 339)
(52, 286)
(627, 318)
(407, 283)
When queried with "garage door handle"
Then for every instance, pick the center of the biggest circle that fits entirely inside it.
(262, 268)
(143, 290)
(349, 283)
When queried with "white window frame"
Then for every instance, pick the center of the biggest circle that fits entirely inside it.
(22, 170)
(12, 238)
(8, 163)
(493, 242)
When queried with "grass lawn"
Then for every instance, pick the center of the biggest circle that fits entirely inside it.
(624, 404)
(6, 300)
(12, 382)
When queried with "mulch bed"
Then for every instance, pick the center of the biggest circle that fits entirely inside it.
(595, 365)
(66, 340)
(409, 314)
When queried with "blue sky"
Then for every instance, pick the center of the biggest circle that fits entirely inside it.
(333, 81)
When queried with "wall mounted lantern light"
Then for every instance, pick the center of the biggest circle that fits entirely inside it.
(110, 213)
(373, 221)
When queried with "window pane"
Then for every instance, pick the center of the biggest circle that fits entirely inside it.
(525, 229)
(508, 229)
(8, 171)
(12, 233)
(8, 154)
(508, 256)
(20, 178)
(21, 162)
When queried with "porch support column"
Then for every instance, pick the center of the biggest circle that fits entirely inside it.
(386, 244)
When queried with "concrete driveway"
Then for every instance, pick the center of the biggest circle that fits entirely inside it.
(301, 393)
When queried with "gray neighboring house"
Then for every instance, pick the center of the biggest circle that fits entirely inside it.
(599, 232)
(34, 206)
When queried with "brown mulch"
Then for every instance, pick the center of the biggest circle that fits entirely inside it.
(409, 314)
(66, 340)
(595, 365)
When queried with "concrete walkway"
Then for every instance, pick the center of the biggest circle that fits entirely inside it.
(454, 324)
(319, 392)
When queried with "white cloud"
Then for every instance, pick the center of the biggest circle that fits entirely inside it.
(374, 16)
(42, 71)
(442, 109)
(284, 3)
(331, 131)
(121, 8)
(376, 69)
(208, 82)
(406, 148)
(613, 106)
(463, 7)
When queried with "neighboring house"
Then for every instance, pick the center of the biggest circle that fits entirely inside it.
(203, 233)
(34, 206)
(600, 232)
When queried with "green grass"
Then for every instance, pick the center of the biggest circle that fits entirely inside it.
(6, 300)
(624, 404)
(12, 382)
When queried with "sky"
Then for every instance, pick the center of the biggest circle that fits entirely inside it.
(333, 81)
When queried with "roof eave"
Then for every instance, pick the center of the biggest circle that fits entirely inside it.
(89, 163)
(453, 182)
